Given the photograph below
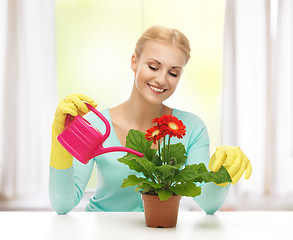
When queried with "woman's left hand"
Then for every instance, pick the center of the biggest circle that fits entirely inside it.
(234, 160)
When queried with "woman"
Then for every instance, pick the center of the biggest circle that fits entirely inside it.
(158, 63)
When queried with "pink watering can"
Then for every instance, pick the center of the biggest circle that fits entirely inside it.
(83, 141)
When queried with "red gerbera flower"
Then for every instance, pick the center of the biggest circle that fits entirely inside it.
(154, 133)
(172, 125)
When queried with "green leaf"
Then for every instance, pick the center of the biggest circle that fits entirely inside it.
(188, 189)
(199, 173)
(142, 183)
(155, 185)
(190, 172)
(222, 176)
(136, 140)
(149, 186)
(148, 166)
(173, 161)
(165, 171)
(164, 194)
(132, 180)
(147, 189)
(132, 163)
(157, 161)
(178, 152)
(139, 165)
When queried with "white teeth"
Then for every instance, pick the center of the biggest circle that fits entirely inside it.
(156, 89)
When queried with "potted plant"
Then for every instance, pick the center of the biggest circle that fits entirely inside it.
(162, 178)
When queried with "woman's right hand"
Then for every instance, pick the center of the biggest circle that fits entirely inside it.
(73, 105)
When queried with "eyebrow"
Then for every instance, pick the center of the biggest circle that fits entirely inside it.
(161, 63)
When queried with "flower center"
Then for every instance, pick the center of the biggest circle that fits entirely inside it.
(155, 133)
(173, 125)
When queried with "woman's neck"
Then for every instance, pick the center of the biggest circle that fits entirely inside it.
(140, 113)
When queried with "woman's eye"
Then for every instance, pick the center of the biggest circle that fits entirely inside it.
(153, 68)
(173, 74)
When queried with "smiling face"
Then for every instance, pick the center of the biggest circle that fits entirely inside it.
(158, 70)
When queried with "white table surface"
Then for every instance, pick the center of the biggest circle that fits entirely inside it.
(191, 225)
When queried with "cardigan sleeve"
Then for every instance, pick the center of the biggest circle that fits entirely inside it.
(66, 186)
(212, 196)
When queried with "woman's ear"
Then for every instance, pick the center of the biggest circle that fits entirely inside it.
(134, 62)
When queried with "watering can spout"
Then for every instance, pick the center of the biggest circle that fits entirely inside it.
(103, 150)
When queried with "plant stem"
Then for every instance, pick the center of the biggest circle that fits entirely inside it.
(164, 143)
(156, 178)
(159, 149)
(168, 155)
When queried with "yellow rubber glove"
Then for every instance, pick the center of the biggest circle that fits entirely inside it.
(73, 105)
(234, 160)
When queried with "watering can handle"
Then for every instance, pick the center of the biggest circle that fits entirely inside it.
(107, 133)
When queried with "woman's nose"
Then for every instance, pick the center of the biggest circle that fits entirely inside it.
(161, 78)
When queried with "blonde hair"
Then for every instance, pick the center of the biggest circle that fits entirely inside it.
(163, 34)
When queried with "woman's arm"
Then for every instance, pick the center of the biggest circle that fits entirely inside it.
(66, 186)
(68, 177)
(212, 196)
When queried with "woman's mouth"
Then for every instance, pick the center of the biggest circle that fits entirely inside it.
(156, 89)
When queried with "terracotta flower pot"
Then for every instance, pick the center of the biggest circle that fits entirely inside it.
(160, 213)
